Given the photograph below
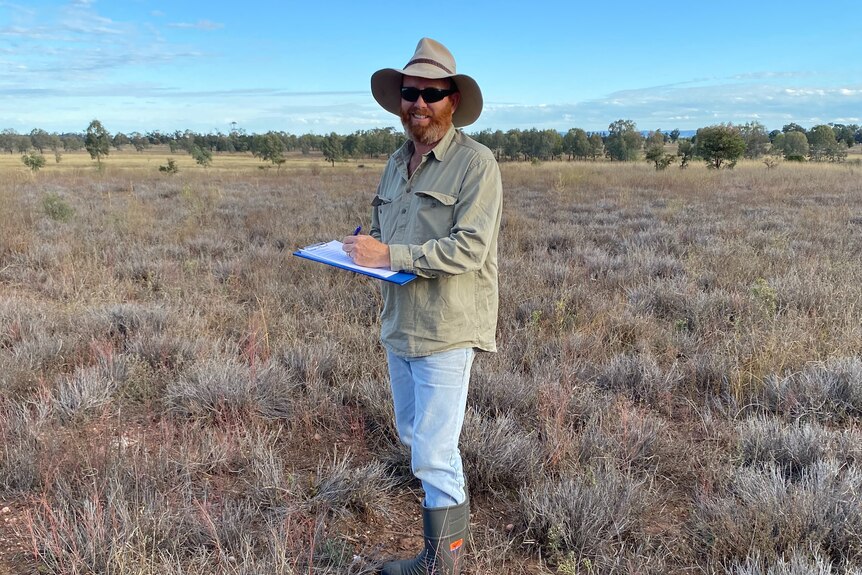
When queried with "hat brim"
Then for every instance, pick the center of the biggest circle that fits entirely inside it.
(386, 89)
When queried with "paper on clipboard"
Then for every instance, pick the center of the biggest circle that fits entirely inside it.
(331, 253)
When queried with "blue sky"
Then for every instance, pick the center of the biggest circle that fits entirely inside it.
(304, 67)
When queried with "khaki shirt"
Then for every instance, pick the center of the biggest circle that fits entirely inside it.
(442, 225)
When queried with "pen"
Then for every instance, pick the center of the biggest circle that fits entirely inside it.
(357, 230)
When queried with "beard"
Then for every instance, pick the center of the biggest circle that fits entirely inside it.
(433, 132)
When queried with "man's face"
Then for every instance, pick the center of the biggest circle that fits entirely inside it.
(427, 123)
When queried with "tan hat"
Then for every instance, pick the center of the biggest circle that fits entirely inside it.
(431, 60)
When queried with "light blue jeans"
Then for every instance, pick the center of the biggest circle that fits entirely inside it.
(430, 396)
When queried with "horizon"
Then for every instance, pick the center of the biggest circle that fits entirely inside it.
(149, 65)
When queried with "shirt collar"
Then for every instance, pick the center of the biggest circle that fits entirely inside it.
(438, 152)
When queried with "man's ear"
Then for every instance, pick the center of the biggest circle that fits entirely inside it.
(456, 99)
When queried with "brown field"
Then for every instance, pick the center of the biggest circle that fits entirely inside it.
(678, 388)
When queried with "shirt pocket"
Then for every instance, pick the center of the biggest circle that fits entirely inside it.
(434, 215)
(385, 216)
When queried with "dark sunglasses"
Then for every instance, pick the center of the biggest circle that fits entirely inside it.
(429, 95)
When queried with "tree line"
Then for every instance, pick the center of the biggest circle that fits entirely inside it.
(719, 145)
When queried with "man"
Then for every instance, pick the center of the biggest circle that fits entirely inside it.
(436, 214)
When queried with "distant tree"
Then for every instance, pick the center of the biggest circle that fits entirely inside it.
(55, 143)
(332, 148)
(139, 141)
(657, 155)
(793, 127)
(597, 146)
(269, 148)
(685, 151)
(654, 151)
(756, 139)
(512, 149)
(557, 145)
(794, 146)
(823, 145)
(97, 141)
(119, 140)
(497, 143)
(354, 145)
(72, 142)
(624, 142)
(203, 156)
(674, 135)
(8, 139)
(40, 139)
(655, 138)
(720, 145)
(576, 143)
(23, 144)
(33, 161)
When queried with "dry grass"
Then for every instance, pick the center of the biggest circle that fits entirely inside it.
(678, 388)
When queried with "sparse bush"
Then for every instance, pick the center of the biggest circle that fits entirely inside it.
(499, 455)
(800, 562)
(792, 448)
(823, 391)
(639, 377)
(170, 168)
(766, 513)
(33, 161)
(56, 208)
(19, 454)
(87, 389)
(588, 517)
(226, 388)
(345, 488)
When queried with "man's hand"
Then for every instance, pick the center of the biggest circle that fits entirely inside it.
(367, 251)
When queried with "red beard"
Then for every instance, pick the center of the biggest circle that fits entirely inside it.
(433, 132)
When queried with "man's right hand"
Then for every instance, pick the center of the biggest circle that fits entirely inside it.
(367, 251)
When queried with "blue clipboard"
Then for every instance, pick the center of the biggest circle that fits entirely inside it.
(342, 262)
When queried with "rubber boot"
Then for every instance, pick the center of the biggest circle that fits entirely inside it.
(445, 530)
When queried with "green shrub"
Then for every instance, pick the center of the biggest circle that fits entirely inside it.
(33, 161)
(56, 208)
(170, 168)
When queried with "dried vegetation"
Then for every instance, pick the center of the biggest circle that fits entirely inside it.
(679, 386)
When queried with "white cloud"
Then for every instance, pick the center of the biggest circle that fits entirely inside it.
(199, 25)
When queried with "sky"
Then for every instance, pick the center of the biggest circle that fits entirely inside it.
(305, 67)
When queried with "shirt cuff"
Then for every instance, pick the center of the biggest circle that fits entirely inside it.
(400, 259)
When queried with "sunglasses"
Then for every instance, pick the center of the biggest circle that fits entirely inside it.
(429, 95)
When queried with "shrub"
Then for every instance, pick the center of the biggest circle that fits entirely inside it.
(588, 516)
(638, 376)
(56, 208)
(170, 168)
(33, 161)
(764, 512)
(345, 488)
(499, 455)
(792, 448)
(800, 562)
(88, 389)
(824, 391)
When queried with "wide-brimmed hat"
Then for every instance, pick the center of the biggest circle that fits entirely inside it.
(431, 60)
